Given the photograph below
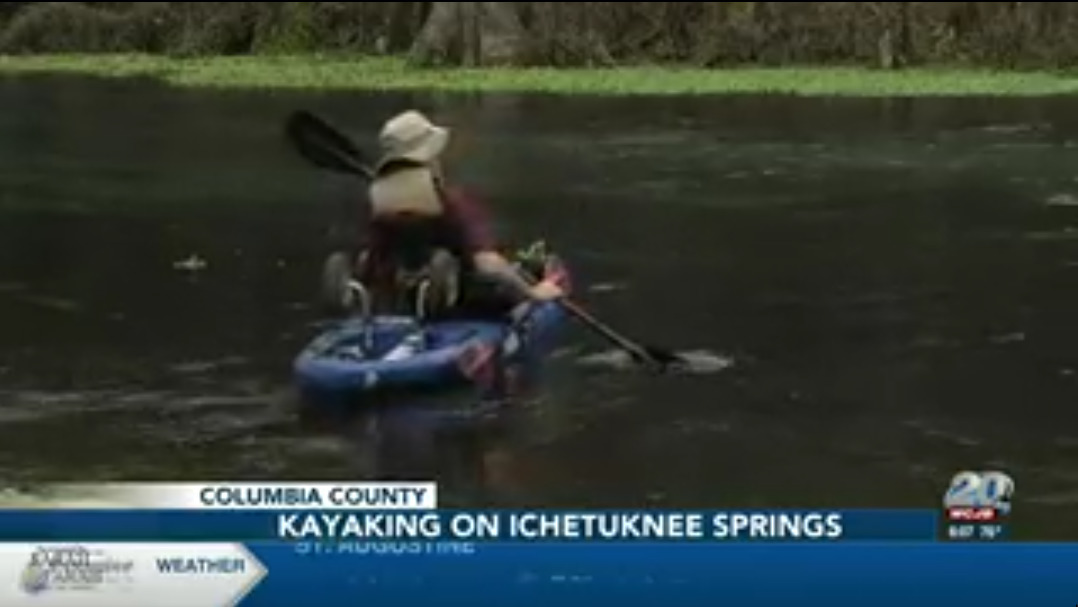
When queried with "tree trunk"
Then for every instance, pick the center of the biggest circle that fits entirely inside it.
(402, 22)
(435, 39)
(502, 34)
(893, 44)
(472, 36)
(470, 33)
(905, 34)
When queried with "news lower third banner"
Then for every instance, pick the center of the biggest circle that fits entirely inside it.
(284, 544)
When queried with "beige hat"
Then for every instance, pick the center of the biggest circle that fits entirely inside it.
(411, 136)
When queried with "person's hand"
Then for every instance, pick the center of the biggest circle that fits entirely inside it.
(547, 291)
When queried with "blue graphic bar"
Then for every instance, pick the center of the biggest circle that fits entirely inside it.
(762, 575)
(447, 525)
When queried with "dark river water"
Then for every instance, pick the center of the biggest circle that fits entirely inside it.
(892, 281)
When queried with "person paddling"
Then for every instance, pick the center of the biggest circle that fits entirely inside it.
(430, 242)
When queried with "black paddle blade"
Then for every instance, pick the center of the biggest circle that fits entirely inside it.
(323, 145)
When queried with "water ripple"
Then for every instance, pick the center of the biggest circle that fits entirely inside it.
(695, 362)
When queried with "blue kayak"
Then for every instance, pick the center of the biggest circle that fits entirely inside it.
(360, 357)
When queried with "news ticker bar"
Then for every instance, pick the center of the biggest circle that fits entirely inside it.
(285, 575)
(837, 575)
(477, 525)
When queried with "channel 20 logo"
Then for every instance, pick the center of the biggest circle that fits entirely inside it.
(979, 497)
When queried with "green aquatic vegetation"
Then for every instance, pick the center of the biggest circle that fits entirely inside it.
(337, 72)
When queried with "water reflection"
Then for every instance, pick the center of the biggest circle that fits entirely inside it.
(463, 440)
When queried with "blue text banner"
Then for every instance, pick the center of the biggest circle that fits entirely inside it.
(447, 525)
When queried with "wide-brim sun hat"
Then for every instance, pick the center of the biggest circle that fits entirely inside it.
(411, 136)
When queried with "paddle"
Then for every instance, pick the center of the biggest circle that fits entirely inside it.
(325, 147)
(659, 358)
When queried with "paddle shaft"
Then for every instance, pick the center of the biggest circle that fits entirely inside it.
(607, 332)
(633, 348)
(357, 168)
(352, 165)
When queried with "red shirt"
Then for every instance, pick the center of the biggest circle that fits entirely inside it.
(470, 217)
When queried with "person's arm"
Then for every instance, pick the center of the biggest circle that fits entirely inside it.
(486, 258)
(493, 265)
(498, 268)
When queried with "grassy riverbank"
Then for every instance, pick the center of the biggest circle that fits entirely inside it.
(350, 73)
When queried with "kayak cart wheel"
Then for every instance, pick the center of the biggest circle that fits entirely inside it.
(336, 293)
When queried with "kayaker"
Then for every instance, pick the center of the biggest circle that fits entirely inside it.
(422, 228)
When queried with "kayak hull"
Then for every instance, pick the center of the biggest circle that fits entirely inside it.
(346, 365)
